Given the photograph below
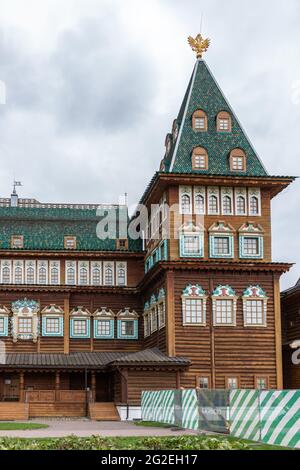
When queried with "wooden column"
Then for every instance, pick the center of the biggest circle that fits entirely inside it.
(93, 386)
(178, 380)
(170, 314)
(124, 386)
(57, 385)
(67, 325)
(212, 339)
(21, 387)
(278, 332)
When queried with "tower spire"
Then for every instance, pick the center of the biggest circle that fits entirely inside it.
(199, 44)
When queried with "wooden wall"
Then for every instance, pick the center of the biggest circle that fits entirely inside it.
(290, 308)
(236, 351)
(139, 380)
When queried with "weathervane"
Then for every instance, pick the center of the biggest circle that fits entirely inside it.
(199, 44)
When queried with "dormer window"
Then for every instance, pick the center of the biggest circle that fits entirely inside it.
(199, 159)
(17, 242)
(237, 160)
(224, 122)
(199, 120)
(70, 243)
(122, 244)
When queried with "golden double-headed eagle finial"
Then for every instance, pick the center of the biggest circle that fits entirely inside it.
(199, 45)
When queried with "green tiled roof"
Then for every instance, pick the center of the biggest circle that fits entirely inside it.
(204, 93)
(45, 229)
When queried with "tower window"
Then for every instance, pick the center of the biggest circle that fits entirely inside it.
(199, 159)
(213, 205)
(199, 204)
(70, 243)
(185, 204)
(17, 241)
(254, 205)
(237, 160)
(240, 205)
(199, 121)
(227, 205)
(251, 246)
(224, 123)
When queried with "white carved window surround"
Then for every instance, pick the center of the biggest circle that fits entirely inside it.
(193, 306)
(255, 303)
(25, 320)
(224, 303)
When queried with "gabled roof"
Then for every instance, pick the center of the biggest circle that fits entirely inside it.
(204, 93)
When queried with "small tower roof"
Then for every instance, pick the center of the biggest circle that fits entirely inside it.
(203, 93)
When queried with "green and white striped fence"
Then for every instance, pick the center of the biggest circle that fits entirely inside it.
(272, 416)
(244, 414)
(280, 417)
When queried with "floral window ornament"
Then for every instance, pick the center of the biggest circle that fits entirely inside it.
(25, 322)
(193, 305)
(255, 302)
(224, 303)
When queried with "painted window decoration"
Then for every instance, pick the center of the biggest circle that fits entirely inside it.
(52, 321)
(121, 274)
(80, 323)
(127, 324)
(254, 201)
(153, 313)
(18, 272)
(109, 273)
(24, 322)
(161, 308)
(104, 324)
(191, 241)
(193, 305)
(54, 268)
(83, 273)
(224, 302)
(71, 273)
(147, 320)
(255, 303)
(96, 270)
(221, 240)
(251, 241)
(30, 272)
(4, 313)
(42, 272)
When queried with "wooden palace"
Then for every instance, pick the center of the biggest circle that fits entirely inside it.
(87, 324)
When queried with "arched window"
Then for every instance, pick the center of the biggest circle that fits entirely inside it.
(42, 275)
(54, 275)
(96, 276)
(224, 122)
(83, 276)
(186, 204)
(18, 275)
(213, 204)
(6, 275)
(71, 275)
(121, 276)
(237, 160)
(108, 276)
(240, 205)
(199, 159)
(199, 121)
(199, 204)
(30, 275)
(227, 205)
(254, 205)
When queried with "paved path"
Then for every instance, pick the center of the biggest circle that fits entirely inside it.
(84, 428)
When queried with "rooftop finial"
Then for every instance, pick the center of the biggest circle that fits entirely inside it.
(199, 44)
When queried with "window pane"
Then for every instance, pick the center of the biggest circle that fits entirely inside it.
(203, 382)
(52, 325)
(251, 246)
(224, 311)
(221, 246)
(227, 205)
(103, 328)
(80, 327)
(127, 327)
(200, 161)
(254, 207)
(254, 312)
(213, 205)
(241, 205)
(2, 325)
(199, 204)
(224, 124)
(191, 244)
(25, 325)
(199, 123)
(186, 204)
(193, 311)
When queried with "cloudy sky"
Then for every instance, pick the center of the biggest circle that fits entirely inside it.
(92, 87)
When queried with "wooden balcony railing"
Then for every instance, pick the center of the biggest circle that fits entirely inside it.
(54, 396)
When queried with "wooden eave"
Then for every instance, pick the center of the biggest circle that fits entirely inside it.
(210, 265)
(69, 289)
(275, 184)
(107, 255)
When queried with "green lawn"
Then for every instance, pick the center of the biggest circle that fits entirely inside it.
(201, 442)
(12, 426)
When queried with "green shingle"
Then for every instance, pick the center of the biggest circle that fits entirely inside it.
(45, 229)
(204, 93)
